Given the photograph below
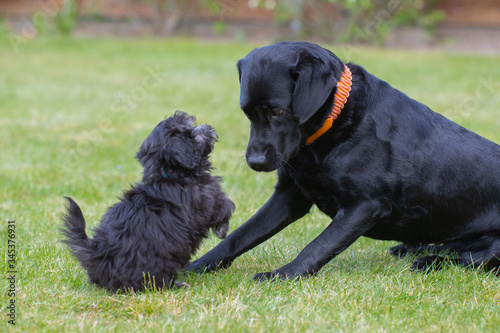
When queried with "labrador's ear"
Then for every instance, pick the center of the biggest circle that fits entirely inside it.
(314, 81)
(241, 64)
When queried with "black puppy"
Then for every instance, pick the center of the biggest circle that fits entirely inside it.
(150, 235)
(377, 162)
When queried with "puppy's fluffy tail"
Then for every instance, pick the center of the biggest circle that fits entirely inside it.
(74, 230)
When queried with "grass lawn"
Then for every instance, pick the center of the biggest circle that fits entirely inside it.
(74, 112)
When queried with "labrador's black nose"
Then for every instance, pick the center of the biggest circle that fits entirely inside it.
(257, 162)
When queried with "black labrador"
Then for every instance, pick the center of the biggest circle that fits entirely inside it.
(385, 167)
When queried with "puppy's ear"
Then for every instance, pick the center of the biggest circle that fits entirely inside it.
(150, 146)
(314, 81)
(182, 118)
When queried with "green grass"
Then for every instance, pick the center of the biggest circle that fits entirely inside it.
(74, 112)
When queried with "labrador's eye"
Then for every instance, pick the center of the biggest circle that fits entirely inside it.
(277, 112)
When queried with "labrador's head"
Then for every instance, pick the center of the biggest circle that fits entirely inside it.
(284, 87)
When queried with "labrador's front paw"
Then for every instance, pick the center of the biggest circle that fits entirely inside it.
(274, 276)
(205, 265)
(268, 276)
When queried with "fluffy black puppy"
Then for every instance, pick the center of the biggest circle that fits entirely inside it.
(387, 167)
(150, 235)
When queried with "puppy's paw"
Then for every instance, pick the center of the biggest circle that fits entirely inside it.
(220, 230)
(427, 263)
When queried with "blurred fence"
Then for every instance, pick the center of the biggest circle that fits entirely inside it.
(352, 21)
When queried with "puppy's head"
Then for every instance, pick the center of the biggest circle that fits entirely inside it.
(285, 90)
(177, 145)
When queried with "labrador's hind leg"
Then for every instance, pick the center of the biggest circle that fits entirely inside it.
(486, 253)
(487, 257)
(429, 263)
(432, 256)
(403, 250)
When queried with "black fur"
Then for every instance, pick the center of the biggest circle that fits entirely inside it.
(389, 168)
(150, 235)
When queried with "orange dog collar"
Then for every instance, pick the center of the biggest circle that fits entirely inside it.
(343, 90)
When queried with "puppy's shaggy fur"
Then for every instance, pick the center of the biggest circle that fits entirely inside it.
(150, 235)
